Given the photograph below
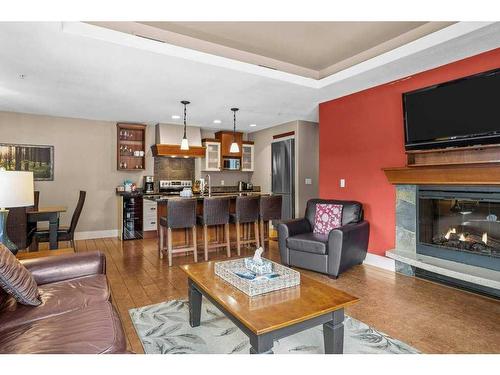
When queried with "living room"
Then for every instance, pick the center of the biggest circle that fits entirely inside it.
(208, 183)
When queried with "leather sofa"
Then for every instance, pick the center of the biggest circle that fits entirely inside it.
(331, 253)
(75, 316)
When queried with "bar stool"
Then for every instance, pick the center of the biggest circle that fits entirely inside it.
(215, 213)
(270, 209)
(247, 212)
(181, 213)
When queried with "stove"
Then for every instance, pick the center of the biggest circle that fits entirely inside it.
(174, 187)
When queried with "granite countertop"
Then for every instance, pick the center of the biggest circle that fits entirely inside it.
(164, 198)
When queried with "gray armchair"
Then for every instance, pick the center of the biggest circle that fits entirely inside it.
(331, 253)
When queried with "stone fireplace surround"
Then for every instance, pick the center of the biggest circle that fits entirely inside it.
(409, 262)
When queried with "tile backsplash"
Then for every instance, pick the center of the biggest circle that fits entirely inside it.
(166, 168)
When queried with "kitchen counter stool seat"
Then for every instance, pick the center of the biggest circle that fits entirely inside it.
(247, 212)
(181, 214)
(270, 209)
(216, 214)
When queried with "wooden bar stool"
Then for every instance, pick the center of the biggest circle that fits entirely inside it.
(270, 209)
(247, 212)
(181, 213)
(215, 213)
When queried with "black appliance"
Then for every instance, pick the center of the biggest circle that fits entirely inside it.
(245, 186)
(132, 217)
(462, 112)
(231, 164)
(149, 185)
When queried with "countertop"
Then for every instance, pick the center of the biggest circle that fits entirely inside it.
(164, 198)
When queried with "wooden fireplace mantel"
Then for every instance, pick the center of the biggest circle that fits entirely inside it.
(472, 165)
(445, 175)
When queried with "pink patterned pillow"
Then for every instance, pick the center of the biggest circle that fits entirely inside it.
(328, 217)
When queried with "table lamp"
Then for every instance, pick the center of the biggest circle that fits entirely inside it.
(16, 190)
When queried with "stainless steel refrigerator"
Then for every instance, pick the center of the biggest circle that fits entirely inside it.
(283, 175)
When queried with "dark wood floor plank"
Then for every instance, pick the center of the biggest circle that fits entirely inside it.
(429, 316)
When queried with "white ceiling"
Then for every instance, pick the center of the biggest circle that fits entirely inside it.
(84, 71)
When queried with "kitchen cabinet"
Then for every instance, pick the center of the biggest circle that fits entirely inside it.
(226, 138)
(212, 159)
(247, 157)
(149, 217)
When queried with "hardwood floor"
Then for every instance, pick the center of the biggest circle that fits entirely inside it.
(431, 317)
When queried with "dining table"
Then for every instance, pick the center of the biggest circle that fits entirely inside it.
(50, 214)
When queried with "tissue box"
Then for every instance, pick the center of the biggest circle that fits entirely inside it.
(260, 269)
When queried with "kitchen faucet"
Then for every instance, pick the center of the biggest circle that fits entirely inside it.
(209, 185)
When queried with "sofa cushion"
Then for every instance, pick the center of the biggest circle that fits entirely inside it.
(16, 280)
(328, 216)
(308, 242)
(56, 299)
(94, 329)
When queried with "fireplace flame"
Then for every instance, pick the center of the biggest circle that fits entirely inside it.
(450, 231)
(462, 237)
(484, 238)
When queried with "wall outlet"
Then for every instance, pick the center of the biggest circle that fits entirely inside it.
(222, 182)
(308, 181)
(342, 183)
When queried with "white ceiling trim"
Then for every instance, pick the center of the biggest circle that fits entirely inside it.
(441, 36)
(123, 39)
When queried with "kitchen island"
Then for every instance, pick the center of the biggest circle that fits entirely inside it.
(181, 237)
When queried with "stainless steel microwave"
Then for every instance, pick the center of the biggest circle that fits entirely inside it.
(233, 164)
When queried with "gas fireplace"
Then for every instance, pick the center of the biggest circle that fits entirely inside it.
(460, 224)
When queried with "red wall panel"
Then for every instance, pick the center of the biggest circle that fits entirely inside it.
(363, 132)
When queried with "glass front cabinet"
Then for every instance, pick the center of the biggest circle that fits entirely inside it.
(212, 160)
(247, 157)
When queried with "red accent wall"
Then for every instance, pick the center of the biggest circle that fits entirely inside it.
(363, 132)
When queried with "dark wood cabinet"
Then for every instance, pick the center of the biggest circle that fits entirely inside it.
(130, 147)
(226, 138)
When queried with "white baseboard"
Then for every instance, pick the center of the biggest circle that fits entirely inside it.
(96, 234)
(380, 262)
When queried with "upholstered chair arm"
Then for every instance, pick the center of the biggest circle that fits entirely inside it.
(63, 267)
(287, 229)
(347, 246)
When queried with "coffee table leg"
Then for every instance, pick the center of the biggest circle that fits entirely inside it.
(194, 305)
(261, 345)
(333, 333)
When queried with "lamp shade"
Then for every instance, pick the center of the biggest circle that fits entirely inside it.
(16, 189)
(234, 148)
(184, 144)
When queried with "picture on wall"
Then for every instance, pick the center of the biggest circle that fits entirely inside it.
(38, 159)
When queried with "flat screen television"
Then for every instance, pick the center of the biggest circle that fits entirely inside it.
(463, 112)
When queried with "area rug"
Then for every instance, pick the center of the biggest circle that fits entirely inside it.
(164, 329)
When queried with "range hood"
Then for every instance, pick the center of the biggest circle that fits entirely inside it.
(168, 141)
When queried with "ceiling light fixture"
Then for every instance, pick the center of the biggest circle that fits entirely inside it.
(234, 149)
(184, 142)
(217, 121)
(253, 125)
(175, 117)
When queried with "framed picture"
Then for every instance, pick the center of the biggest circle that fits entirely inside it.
(38, 159)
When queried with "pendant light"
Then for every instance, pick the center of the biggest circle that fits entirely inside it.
(184, 142)
(234, 149)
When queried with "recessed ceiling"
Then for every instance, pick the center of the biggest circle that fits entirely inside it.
(310, 49)
(84, 71)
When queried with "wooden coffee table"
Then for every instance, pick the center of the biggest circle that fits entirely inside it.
(274, 315)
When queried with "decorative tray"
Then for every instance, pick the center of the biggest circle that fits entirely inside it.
(252, 284)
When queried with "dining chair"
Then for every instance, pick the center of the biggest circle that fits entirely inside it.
(19, 230)
(63, 233)
(270, 209)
